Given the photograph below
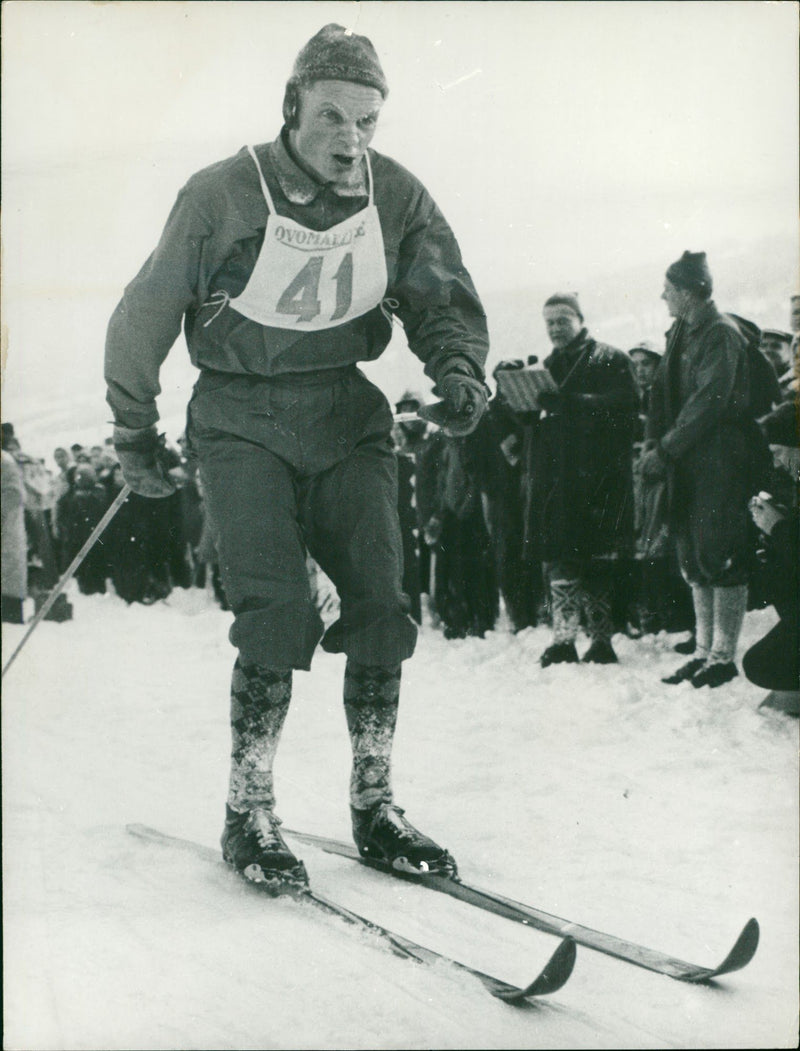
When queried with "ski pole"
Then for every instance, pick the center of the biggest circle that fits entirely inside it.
(401, 417)
(120, 499)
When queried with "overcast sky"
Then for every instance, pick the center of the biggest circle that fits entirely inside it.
(562, 140)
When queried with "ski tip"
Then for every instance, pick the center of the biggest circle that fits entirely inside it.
(559, 967)
(744, 949)
(555, 974)
(741, 954)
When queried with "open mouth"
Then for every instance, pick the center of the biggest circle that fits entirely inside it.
(344, 161)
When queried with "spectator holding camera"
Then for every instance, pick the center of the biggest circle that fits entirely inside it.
(581, 493)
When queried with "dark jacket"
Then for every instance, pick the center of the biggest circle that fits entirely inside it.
(701, 415)
(581, 485)
(210, 245)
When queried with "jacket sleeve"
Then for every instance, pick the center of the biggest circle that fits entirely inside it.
(718, 362)
(148, 319)
(444, 320)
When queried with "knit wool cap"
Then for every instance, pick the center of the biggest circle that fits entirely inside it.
(336, 53)
(691, 272)
(567, 299)
(411, 398)
(646, 347)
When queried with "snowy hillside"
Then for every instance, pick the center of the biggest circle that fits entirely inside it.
(664, 815)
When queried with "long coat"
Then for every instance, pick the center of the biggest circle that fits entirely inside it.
(580, 459)
(700, 412)
(14, 542)
(502, 433)
(466, 594)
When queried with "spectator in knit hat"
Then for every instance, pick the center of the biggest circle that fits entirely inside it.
(645, 360)
(80, 509)
(776, 346)
(284, 266)
(581, 492)
(703, 440)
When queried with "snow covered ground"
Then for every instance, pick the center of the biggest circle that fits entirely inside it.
(663, 815)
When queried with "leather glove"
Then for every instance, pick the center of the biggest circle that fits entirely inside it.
(653, 463)
(464, 401)
(143, 460)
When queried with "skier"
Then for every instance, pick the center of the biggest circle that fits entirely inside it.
(285, 264)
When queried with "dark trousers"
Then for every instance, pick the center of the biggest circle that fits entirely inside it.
(305, 466)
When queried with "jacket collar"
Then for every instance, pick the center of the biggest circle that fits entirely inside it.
(298, 185)
(708, 312)
(681, 327)
(571, 349)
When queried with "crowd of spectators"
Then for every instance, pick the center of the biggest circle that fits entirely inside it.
(544, 511)
(148, 548)
(549, 508)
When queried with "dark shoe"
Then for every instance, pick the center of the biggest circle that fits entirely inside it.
(716, 674)
(686, 671)
(687, 646)
(559, 653)
(383, 834)
(253, 845)
(600, 652)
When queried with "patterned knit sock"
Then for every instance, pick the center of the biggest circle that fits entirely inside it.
(565, 604)
(730, 605)
(260, 699)
(371, 696)
(703, 600)
(597, 608)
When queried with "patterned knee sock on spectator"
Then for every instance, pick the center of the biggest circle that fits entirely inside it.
(565, 600)
(260, 699)
(597, 609)
(729, 609)
(371, 696)
(703, 600)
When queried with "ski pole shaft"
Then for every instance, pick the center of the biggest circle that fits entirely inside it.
(120, 499)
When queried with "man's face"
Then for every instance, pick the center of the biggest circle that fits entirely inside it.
(644, 368)
(562, 324)
(61, 458)
(336, 123)
(777, 351)
(677, 299)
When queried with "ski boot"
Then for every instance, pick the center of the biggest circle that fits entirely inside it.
(383, 834)
(253, 845)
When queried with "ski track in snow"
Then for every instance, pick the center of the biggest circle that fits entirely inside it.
(665, 815)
